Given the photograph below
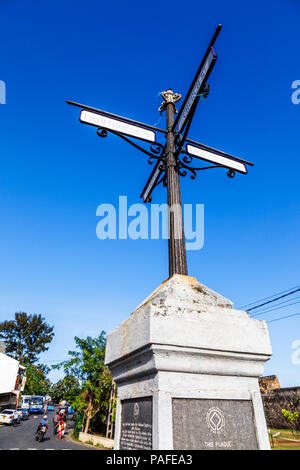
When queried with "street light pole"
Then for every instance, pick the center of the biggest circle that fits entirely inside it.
(177, 252)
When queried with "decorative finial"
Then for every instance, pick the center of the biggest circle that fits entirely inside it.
(169, 97)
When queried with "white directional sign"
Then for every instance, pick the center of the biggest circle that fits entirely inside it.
(217, 158)
(105, 122)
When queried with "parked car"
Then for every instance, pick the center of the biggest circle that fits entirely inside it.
(23, 412)
(10, 417)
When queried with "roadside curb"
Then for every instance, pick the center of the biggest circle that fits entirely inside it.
(80, 443)
(70, 439)
(287, 439)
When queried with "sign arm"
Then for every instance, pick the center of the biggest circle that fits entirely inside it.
(221, 160)
(218, 152)
(116, 116)
(178, 120)
(181, 139)
(152, 181)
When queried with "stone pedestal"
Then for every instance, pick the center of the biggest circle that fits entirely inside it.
(187, 367)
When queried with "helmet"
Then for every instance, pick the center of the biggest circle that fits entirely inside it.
(45, 417)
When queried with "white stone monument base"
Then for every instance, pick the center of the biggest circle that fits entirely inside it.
(195, 362)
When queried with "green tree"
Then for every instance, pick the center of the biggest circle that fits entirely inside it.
(67, 388)
(36, 380)
(87, 364)
(291, 419)
(26, 337)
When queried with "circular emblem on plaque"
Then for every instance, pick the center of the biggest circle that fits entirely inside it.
(215, 420)
(136, 410)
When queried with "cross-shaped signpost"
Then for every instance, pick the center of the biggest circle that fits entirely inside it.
(175, 157)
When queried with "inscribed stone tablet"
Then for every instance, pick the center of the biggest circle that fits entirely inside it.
(136, 424)
(213, 424)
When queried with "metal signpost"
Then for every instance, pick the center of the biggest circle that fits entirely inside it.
(176, 157)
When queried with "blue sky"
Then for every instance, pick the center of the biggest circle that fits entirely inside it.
(54, 172)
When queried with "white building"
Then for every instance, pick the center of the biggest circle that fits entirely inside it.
(12, 380)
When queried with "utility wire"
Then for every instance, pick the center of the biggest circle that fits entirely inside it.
(276, 308)
(270, 301)
(281, 318)
(270, 296)
(270, 308)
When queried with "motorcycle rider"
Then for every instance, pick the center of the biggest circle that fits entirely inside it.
(62, 413)
(61, 428)
(42, 423)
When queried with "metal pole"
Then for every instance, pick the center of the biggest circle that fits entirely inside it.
(177, 253)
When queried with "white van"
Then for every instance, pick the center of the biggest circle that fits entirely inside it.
(25, 401)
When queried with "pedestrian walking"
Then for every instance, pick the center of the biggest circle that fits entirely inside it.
(55, 423)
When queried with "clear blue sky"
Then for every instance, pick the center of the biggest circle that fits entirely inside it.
(54, 171)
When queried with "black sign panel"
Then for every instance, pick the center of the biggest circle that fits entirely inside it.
(213, 424)
(155, 175)
(200, 78)
(136, 424)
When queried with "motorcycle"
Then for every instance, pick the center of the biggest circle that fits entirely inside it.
(40, 434)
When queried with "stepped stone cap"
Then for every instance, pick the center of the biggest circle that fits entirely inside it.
(175, 291)
(183, 313)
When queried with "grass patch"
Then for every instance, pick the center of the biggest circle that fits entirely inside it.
(100, 445)
(287, 433)
(280, 447)
(281, 444)
(90, 443)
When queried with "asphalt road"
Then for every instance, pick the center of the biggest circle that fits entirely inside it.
(22, 436)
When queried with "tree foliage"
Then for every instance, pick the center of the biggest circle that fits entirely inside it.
(87, 365)
(26, 337)
(36, 380)
(291, 419)
(67, 388)
(275, 403)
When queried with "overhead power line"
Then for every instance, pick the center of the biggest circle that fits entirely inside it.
(274, 300)
(281, 318)
(283, 305)
(58, 361)
(269, 297)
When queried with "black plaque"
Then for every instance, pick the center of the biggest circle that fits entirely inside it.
(136, 424)
(213, 424)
